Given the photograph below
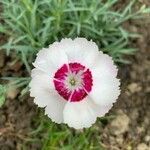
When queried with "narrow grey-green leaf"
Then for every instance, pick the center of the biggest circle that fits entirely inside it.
(2, 95)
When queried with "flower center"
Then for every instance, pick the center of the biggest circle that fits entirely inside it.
(73, 81)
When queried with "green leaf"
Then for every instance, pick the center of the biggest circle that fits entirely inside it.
(2, 94)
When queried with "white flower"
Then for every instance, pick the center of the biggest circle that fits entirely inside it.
(74, 82)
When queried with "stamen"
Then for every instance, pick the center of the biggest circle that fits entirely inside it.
(72, 82)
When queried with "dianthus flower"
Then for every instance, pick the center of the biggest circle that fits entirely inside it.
(74, 82)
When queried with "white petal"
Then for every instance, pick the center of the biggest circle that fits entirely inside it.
(79, 114)
(42, 99)
(40, 82)
(54, 108)
(45, 95)
(101, 110)
(105, 91)
(104, 67)
(80, 50)
(50, 59)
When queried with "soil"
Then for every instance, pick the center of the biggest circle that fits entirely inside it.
(129, 130)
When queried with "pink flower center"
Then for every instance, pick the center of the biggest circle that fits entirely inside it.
(73, 82)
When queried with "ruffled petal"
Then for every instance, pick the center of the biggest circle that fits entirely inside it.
(100, 110)
(54, 108)
(80, 50)
(50, 59)
(40, 82)
(42, 88)
(104, 66)
(79, 114)
(105, 91)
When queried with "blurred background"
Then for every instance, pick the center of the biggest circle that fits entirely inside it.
(121, 28)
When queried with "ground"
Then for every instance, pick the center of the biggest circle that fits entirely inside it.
(128, 130)
(131, 128)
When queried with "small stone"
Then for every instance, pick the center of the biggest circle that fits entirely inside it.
(148, 90)
(120, 124)
(134, 29)
(119, 140)
(134, 87)
(12, 93)
(134, 114)
(140, 130)
(15, 65)
(142, 146)
(147, 138)
(129, 147)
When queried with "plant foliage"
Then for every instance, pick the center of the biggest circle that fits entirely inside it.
(33, 24)
(30, 25)
(2, 95)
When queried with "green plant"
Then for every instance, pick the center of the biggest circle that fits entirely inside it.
(53, 136)
(2, 95)
(18, 82)
(31, 24)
